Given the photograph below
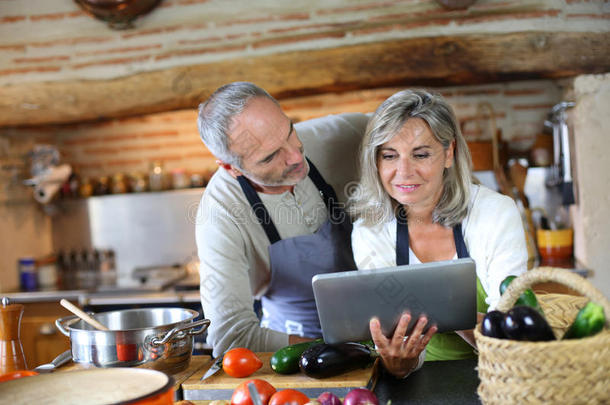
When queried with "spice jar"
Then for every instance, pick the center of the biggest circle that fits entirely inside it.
(103, 186)
(119, 184)
(156, 176)
(180, 179)
(47, 272)
(86, 188)
(28, 278)
(138, 182)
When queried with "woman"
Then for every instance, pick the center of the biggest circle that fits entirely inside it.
(417, 188)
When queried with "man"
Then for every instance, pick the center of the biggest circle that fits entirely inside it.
(268, 221)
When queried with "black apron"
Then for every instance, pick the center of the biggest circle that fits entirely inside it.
(442, 346)
(289, 305)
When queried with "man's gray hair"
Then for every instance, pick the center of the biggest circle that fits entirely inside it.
(370, 201)
(217, 113)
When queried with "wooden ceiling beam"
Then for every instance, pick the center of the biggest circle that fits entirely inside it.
(442, 60)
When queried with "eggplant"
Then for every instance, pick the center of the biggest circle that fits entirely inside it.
(327, 360)
(526, 323)
(492, 325)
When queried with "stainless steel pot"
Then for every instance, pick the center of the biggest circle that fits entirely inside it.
(157, 338)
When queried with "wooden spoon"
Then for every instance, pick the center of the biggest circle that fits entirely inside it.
(82, 315)
(518, 174)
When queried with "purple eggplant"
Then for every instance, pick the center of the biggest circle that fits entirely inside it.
(525, 323)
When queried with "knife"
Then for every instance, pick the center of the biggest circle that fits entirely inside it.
(254, 395)
(214, 369)
(56, 363)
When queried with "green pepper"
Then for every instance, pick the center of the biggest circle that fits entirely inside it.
(588, 322)
(527, 298)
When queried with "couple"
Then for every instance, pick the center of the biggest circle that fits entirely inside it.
(268, 220)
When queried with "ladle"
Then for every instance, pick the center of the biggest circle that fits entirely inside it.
(81, 314)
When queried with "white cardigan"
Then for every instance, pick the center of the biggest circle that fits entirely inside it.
(492, 230)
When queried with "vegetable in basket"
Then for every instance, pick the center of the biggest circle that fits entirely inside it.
(528, 298)
(519, 323)
(589, 321)
(525, 323)
(492, 325)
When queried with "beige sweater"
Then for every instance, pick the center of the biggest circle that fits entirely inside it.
(232, 246)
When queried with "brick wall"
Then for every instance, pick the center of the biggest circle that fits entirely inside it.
(130, 145)
(48, 40)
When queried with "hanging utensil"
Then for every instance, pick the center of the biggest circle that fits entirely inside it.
(486, 112)
(561, 171)
(518, 175)
(566, 161)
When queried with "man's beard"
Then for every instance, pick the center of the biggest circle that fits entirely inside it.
(282, 181)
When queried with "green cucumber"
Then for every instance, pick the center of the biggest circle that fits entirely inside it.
(286, 359)
(528, 298)
(589, 321)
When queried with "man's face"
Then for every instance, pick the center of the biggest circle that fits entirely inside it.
(271, 152)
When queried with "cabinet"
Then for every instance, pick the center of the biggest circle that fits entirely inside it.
(41, 339)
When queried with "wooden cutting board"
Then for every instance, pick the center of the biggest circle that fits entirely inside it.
(221, 385)
(196, 365)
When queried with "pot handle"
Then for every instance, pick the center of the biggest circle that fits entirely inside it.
(59, 323)
(179, 332)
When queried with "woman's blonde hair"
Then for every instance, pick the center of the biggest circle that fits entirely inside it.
(370, 201)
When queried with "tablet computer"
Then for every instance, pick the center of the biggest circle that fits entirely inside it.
(445, 291)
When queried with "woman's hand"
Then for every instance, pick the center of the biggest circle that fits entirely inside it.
(400, 354)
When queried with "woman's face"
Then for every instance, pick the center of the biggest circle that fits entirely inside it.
(411, 165)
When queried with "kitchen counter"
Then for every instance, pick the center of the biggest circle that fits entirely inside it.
(437, 382)
(127, 296)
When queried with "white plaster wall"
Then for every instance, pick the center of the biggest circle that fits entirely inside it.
(592, 147)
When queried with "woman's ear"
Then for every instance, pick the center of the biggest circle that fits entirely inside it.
(449, 154)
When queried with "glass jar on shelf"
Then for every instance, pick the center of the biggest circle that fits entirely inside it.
(120, 184)
(156, 176)
(180, 178)
(138, 182)
(103, 186)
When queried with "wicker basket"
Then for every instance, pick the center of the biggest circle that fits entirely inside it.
(573, 371)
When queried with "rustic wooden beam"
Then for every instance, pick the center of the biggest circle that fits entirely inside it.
(443, 60)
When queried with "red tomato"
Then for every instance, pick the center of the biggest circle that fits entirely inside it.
(240, 362)
(288, 397)
(241, 395)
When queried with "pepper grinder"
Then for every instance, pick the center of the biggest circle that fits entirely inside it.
(12, 357)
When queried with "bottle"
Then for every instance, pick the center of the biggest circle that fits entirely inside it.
(156, 176)
(120, 184)
(180, 179)
(28, 277)
(12, 357)
(47, 272)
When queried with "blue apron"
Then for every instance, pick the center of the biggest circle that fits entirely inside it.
(448, 345)
(289, 305)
